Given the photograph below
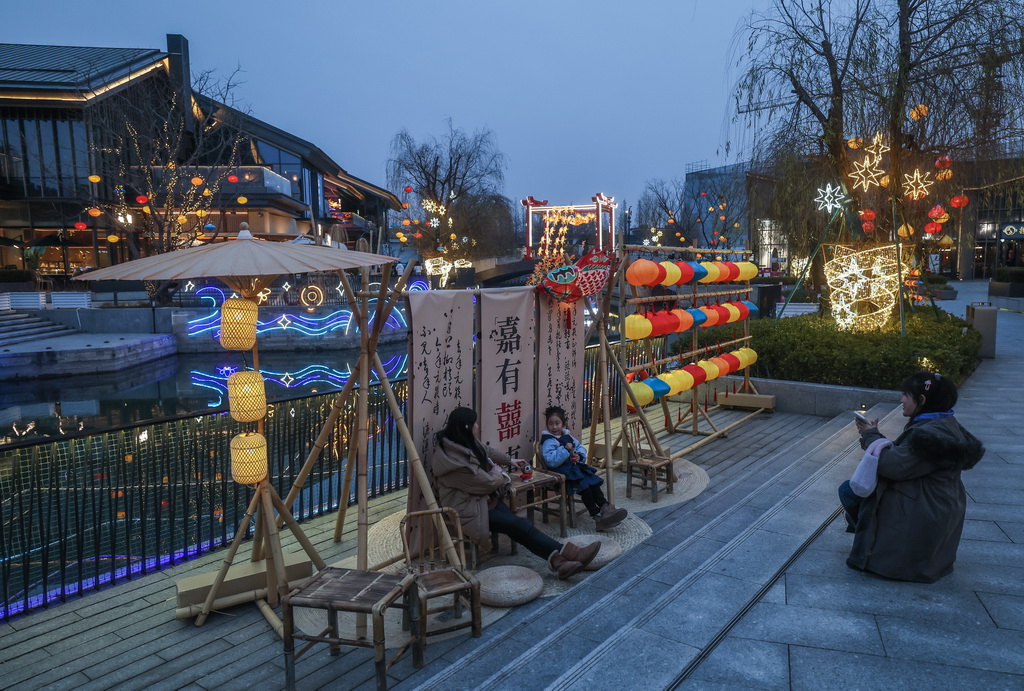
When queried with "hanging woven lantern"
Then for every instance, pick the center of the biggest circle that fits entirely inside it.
(248, 458)
(247, 396)
(238, 324)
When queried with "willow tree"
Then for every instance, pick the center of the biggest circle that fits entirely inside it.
(821, 78)
(453, 187)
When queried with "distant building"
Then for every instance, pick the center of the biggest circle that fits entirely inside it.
(60, 159)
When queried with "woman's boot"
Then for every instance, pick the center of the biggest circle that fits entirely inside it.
(563, 566)
(583, 555)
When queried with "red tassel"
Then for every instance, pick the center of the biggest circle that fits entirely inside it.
(716, 395)
(734, 387)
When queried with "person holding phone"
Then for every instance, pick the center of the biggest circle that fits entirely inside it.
(908, 528)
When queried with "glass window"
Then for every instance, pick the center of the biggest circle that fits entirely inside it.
(33, 157)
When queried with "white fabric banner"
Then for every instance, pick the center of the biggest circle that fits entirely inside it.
(441, 363)
(560, 333)
(507, 344)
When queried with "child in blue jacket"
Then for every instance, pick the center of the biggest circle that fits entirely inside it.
(564, 454)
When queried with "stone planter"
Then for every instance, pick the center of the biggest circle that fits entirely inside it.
(944, 293)
(1005, 290)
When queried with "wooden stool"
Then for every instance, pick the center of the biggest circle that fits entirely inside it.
(348, 590)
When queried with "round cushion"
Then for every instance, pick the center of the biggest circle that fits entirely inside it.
(609, 549)
(509, 586)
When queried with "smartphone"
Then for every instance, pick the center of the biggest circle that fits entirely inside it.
(862, 417)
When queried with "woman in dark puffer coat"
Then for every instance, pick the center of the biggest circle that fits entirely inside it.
(909, 527)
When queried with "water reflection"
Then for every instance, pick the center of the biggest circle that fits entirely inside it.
(187, 383)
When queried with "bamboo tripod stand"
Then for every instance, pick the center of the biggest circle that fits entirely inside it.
(266, 543)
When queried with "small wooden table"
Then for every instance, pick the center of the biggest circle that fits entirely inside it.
(538, 492)
(348, 590)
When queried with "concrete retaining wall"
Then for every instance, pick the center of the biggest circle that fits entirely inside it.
(103, 320)
(90, 359)
(820, 399)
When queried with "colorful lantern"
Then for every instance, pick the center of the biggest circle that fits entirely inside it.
(945, 242)
(734, 312)
(943, 162)
(944, 174)
(697, 373)
(658, 386)
(919, 111)
(867, 215)
(560, 284)
(732, 361)
(141, 199)
(238, 324)
(642, 272)
(94, 212)
(932, 228)
(868, 227)
(94, 178)
(711, 372)
(751, 308)
(232, 178)
(643, 393)
(699, 272)
(247, 396)
(722, 312)
(731, 272)
(209, 227)
(721, 364)
(855, 142)
(112, 239)
(685, 319)
(905, 230)
(81, 226)
(182, 220)
(408, 189)
(672, 274)
(958, 202)
(685, 272)
(699, 317)
(684, 380)
(748, 270)
(713, 271)
(197, 181)
(936, 211)
(711, 317)
(242, 200)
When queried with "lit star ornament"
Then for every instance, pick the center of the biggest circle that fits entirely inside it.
(831, 198)
(866, 174)
(916, 186)
(877, 147)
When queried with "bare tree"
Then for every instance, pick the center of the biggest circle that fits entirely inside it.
(456, 191)
(698, 212)
(820, 78)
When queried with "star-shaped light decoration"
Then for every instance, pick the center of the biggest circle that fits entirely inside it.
(284, 321)
(864, 284)
(878, 147)
(866, 174)
(287, 379)
(831, 198)
(916, 186)
(189, 286)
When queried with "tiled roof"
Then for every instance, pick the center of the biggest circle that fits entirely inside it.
(68, 67)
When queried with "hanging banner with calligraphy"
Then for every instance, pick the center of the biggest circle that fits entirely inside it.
(441, 362)
(560, 333)
(506, 381)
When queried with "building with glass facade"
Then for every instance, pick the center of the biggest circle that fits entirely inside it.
(111, 153)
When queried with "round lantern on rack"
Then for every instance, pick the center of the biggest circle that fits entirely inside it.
(958, 202)
(733, 361)
(713, 271)
(658, 386)
(734, 312)
(721, 364)
(643, 393)
(248, 458)
(699, 317)
(637, 326)
(699, 272)
(722, 312)
(672, 274)
(641, 272)
(748, 270)
(683, 379)
(685, 272)
(698, 374)
(711, 317)
(684, 317)
(670, 381)
(732, 272)
(710, 370)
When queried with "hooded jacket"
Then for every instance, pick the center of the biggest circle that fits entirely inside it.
(909, 528)
(466, 487)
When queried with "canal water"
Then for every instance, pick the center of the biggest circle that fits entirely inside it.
(177, 385)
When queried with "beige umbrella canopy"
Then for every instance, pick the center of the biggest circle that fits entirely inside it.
(245, 263)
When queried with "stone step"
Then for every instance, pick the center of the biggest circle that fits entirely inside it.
(32, 330)
(644, 617)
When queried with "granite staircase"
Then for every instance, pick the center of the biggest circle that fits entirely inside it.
(18, 327)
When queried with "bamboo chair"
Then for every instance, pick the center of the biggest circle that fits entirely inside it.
(574, 507)
(651, 467)
(435, 577)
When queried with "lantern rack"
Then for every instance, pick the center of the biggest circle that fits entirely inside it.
(693, 421)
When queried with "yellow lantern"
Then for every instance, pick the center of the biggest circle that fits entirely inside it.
(248, 458)
(183, 219)
(944, 174)
(919, 111)
(238, 324)
(247, 396)
(710, 368)
(197, 181)
(94, 212)
(684, 379)
(207, 192)
(672, 274)
(643, 393)
(905, 230)
(945, 242)
(147, 210)
(202, 213)
(855, 142)
(242, 200)
(884, 181)
(637, 326)
(734, 312)
(748, 270)
(714, 272)
(673, 386)
(94, 178)
(113, 238)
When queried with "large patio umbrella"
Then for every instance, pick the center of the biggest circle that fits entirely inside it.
(245, 263)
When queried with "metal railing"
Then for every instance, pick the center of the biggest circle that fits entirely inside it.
(91, 509)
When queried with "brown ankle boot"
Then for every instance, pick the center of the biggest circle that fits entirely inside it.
(610, 516)
(564, 567)
(583, 555)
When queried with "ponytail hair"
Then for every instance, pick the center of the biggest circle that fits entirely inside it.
(459, 430)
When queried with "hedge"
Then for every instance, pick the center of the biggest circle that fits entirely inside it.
(16, 276)
(1009, 274)
(811, 348)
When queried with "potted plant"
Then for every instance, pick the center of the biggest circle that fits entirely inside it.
(1008, 282)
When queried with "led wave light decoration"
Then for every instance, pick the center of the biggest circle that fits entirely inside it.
(304, 324)
(864, 286)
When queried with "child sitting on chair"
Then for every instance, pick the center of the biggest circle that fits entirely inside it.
(564, 454)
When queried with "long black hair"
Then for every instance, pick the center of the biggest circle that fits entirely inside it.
(459, 430)
(939, 392)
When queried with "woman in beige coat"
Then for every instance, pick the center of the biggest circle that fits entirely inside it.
(470, 477)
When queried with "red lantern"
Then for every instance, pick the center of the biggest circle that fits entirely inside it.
(662, 273)
(722, 312)
(733, 272)
(932, 227)
(733, 361)
(698, 374)
(936, 211)
(685, 273)
(142, 199)
(867, 215)
(703, 194)
(744, 310)
(417, 235)
(958, 202)
(232, 178)
(80, 226)
(868, 227)
(663, 323)
(943, 162)
(408, 189)
(671, 220)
